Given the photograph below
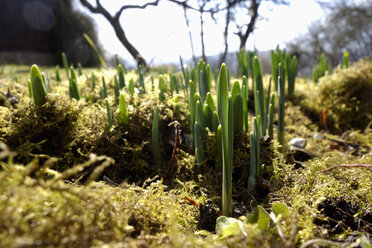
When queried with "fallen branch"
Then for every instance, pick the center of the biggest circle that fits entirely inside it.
(347, 166)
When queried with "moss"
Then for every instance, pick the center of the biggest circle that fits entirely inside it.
(46, 205)
(346, 97)
(42, 130)
(306, 188)
(66, 215)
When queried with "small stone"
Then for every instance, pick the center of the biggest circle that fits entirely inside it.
(298, 142)
(318, 136)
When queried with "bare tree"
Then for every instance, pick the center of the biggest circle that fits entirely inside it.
(190, 34)
(252, 8)
(347, 27)
(115, 23)
(230, 8)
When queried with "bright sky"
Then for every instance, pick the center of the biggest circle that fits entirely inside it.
(160, 33)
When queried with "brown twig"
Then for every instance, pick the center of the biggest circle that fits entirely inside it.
(348, 166)
(177, 142)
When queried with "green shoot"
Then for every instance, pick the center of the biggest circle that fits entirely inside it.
(65, 64)
(116, 90)
(109, 114)
(38, 90)
(58, 77)
(80, 69)
(95, 49)
(280, 111)
(123, 113)
(155, 138)
(104, 89)
(345, 63)
(121, 76)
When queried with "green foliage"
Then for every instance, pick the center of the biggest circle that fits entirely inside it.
(58, 77)
(37, 90)
(345, 62)
(121, 76)
(204, 79)
(209, 100)
(123, 112)
(208, 116)
(80, 69)
(73, 86)
(199, 112)
(104, 93)
(281, 96)
(131, 87)
(278, 56)
(245, 63)
(93, 78)
(219, 147)
(228, 226)
(244, 94)
(199, 144)
(116, 90)
(259, 95)
(238, 115)
(109, 114)
(141, 79)
(47, 85)
(29, 86)
(224, 104)
(271, 116)
(280, 208)
(254, 141)
(191, 102)
(162, 88)
(320, 70)
(95, 49)
(155, 138)
(65, 64)
(130, 144)
(291, 73)
(259, 216)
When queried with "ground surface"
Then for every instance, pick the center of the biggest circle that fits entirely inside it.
(67, 179)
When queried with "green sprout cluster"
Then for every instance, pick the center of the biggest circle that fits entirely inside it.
(224, 123)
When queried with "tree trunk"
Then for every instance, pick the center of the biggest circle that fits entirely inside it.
(115, 23)
(225, 35)
(124, 40)
(244, 37)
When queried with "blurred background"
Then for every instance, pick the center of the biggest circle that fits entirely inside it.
(158, 32)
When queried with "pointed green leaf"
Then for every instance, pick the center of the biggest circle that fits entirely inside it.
(38, 88)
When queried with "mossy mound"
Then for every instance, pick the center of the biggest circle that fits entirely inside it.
(44, 131)
(306, 190)
(50, 213)
(346, 97)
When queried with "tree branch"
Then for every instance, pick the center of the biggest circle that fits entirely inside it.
(251, 24)
(115, 23)
(124, 7)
